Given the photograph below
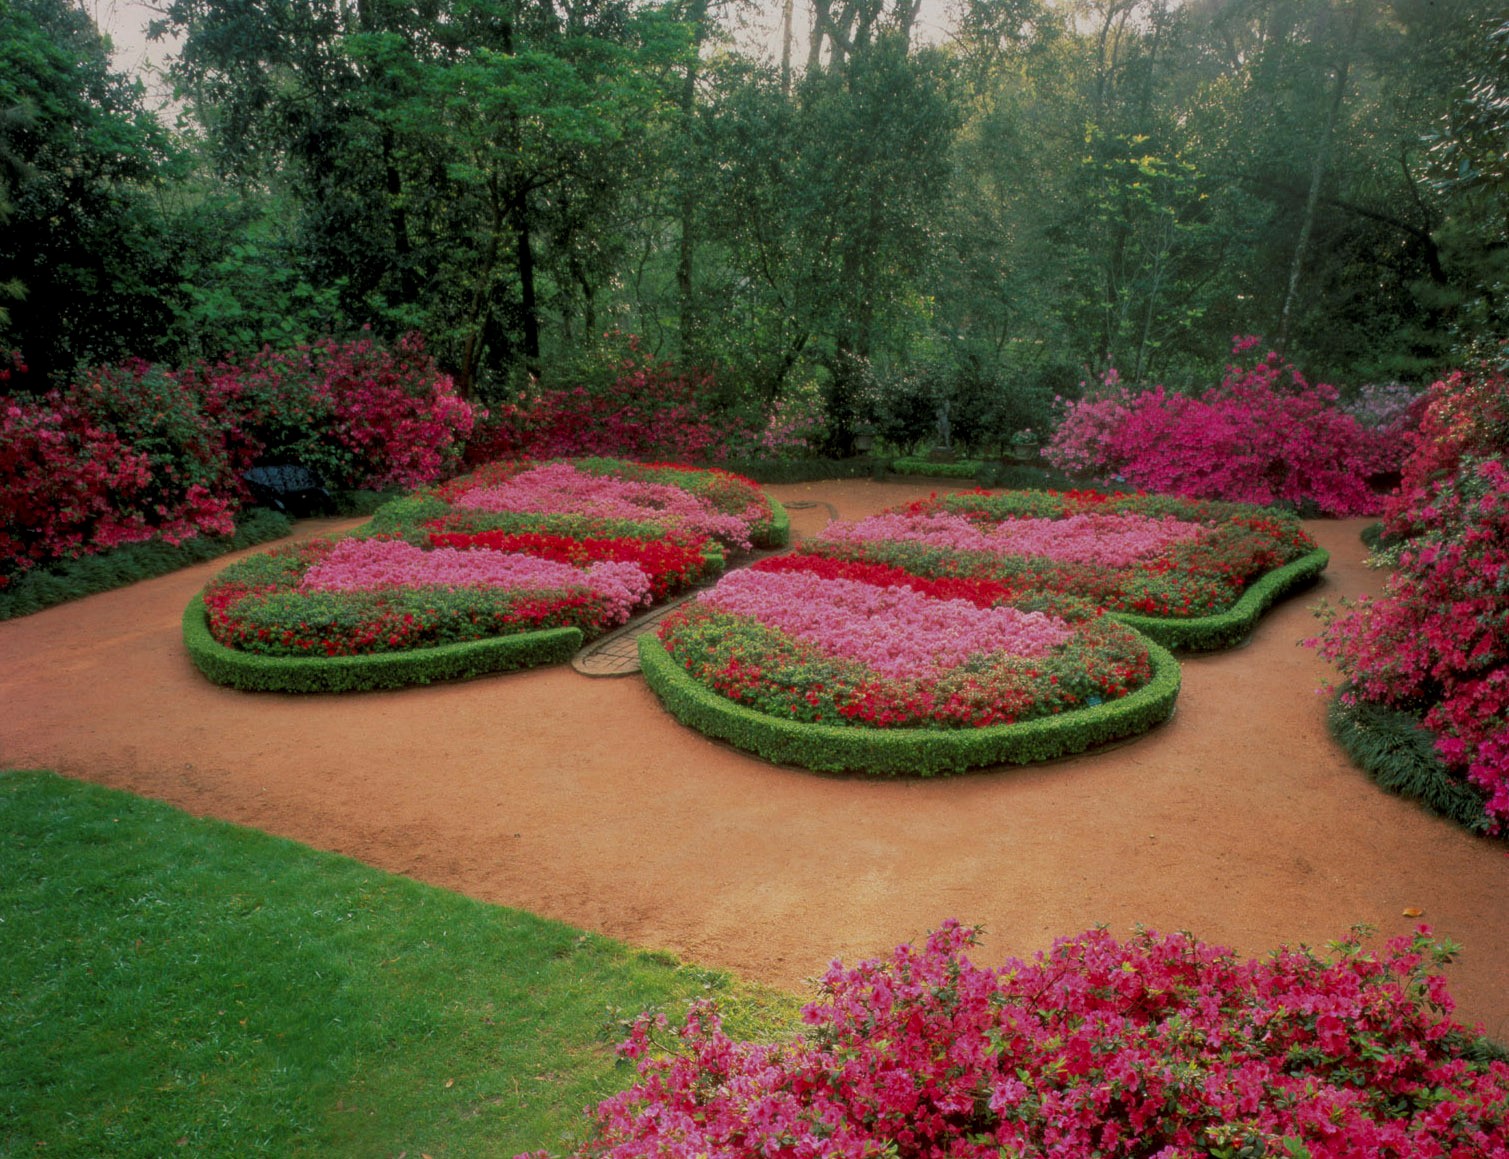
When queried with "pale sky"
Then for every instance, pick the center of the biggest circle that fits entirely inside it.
(757, 30)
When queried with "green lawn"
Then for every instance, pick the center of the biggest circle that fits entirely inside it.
(180, 986)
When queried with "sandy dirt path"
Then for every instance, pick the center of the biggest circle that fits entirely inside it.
(580, 799)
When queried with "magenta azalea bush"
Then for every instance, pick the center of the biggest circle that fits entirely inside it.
(138, 451)
(1264, 436)
(1159, 1046)
(1436, 644)
(645, 409)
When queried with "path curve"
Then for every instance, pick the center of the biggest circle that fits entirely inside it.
(581, 800)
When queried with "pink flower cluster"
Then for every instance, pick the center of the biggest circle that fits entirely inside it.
(896, 631)
(1265, 436)
(368, 564)
(560, 487)
(1099, 1049)
(1111, 540)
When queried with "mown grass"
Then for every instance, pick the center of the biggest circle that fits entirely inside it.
(173, 985)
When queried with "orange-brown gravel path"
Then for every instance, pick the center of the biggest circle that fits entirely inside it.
(580, 799)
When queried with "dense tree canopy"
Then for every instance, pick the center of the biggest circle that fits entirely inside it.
(1058, 187)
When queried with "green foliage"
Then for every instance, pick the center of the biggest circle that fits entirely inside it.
(768, 471)
(1395, 750)
(459, 661)
(72, 579)
(86, 255)
(907, 752)
(177, 985)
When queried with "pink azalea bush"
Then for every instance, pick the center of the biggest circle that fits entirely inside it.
(138, 451)
(1160, 1046)
(369, 564)
(1436, 644)
(1117, 539)
(563, 488)
(71, 484)
(646, 409)
(1264, 436)
(895, 630)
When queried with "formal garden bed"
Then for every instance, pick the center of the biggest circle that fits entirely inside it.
(511, 566)
(972, 629)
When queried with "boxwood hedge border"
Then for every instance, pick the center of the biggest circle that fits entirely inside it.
(1229, 628)
(250, 672)
(907, 752)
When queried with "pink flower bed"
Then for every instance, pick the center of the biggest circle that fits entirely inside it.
(368, 564)
(1110, 540)
(560, 488)
(897, 631)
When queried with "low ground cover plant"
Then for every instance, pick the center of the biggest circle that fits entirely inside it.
(1263, 436)
(1433, 647)
(1159, 1045)
(511, 549)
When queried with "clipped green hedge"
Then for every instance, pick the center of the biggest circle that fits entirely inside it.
(1229, 628)
(73, 579)
(906, 752)
(1399, 753)
(814, 470)
(779, 534)
(916, 465)
(253, 673)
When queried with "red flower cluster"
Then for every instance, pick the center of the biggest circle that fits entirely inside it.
(671, 564)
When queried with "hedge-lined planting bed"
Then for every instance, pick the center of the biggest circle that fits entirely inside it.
(514, 565)
(973, 628)
(1192, 574)
(908, 752)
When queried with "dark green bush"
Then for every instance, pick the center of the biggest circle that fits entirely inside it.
(72, 579)
(1399, 753)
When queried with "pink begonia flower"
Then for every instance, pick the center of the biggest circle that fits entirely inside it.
(896, 631)
(560, 487)
(1110, 540)
(365, 564)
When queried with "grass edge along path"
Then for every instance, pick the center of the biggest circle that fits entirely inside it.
(913, 752)
(177, 985)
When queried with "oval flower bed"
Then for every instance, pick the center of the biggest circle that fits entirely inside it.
(513, 566)
(1190, 574)
(842, 665)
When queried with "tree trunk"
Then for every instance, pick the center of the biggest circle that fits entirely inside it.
(1317, 173)
(518, 214)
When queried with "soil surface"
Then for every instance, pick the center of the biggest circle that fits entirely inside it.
(582, 800)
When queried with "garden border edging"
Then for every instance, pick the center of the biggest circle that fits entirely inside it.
(391, 670)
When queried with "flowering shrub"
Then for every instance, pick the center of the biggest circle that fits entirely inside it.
(669, 565)
(1160, 1045)
(562, 487)
(70, 485)
(1264, 436)
(647, 410)
(362, 415)
(898, 631)
(800, 639)
(137, 451)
